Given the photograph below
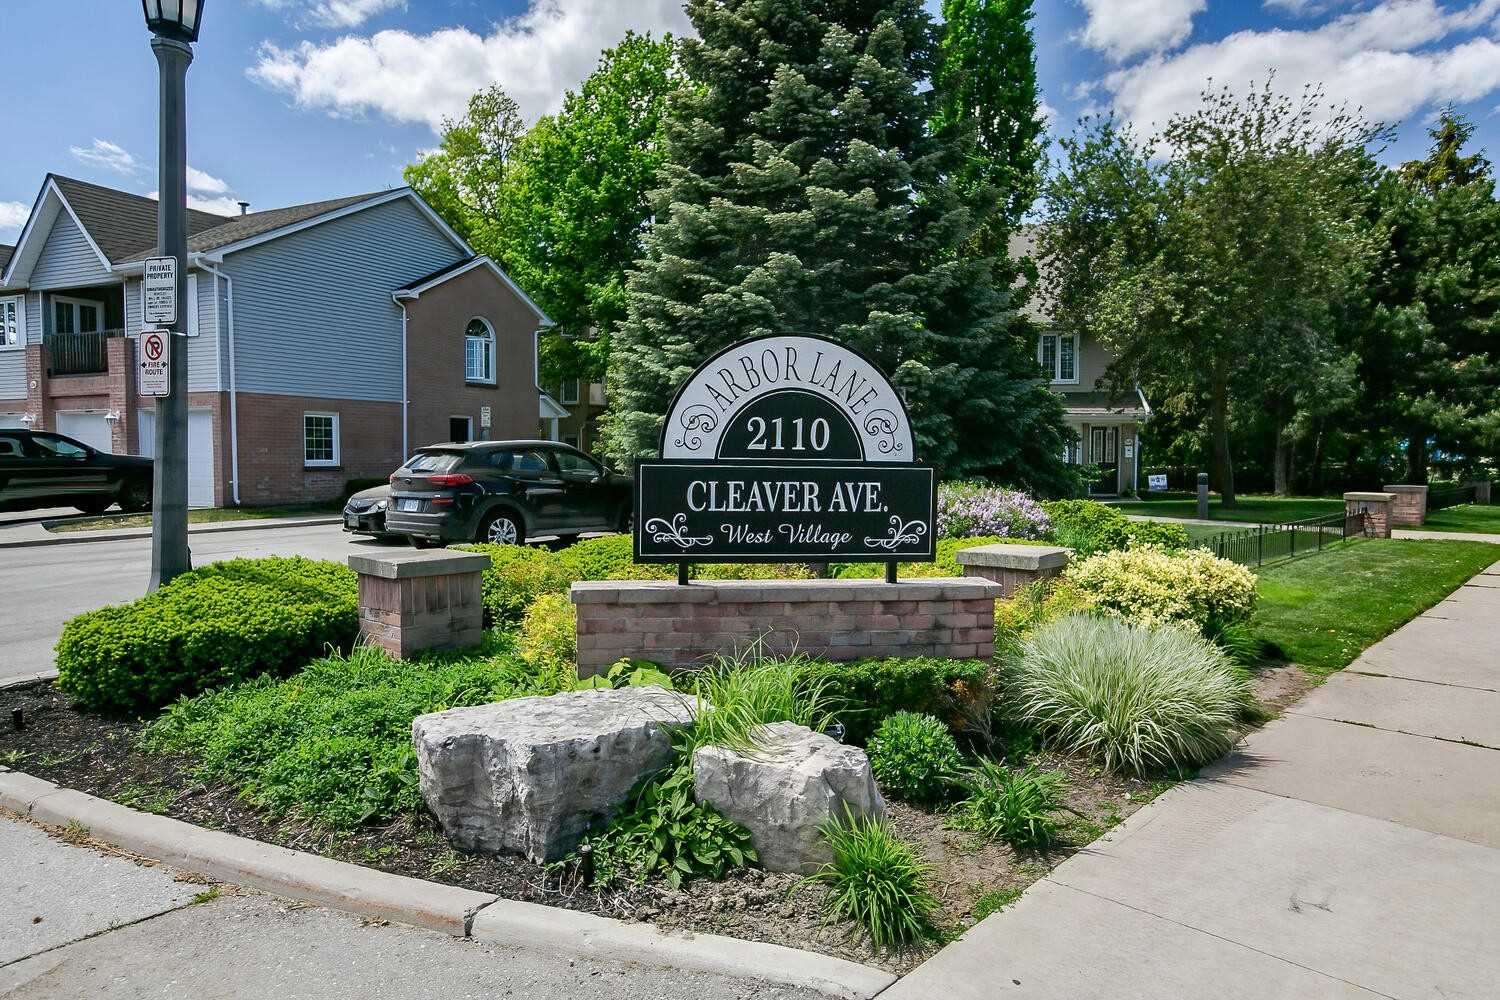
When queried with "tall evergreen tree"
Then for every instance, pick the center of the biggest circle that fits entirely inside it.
(805, 192)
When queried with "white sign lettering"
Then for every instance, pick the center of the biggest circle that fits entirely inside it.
(160, 295)
(1156, 484)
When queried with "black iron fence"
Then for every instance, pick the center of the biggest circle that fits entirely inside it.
(1452, 497)
(78, 353)
(1267, 543)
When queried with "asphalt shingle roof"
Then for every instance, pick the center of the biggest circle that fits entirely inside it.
(5, 254)
(242, 227)
(440, 272)
(122, 224)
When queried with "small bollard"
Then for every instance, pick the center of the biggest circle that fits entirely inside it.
(18, 719)
(1203, 496)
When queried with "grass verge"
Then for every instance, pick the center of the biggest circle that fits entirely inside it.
(1483, 520)
(1325, 610)
(208, 515)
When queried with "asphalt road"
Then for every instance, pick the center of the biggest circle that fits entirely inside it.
(45, 585)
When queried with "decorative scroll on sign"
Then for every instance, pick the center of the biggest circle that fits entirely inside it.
(785, 449)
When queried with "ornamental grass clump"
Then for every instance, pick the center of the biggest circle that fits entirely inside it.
(1134, 698)
(914, 757)
(738, 695)
(969, 510)
(1150, 586)
(877, 881)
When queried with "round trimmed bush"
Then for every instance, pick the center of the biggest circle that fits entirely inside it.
(1134, 698)
(1152, 587)
(914, 756)
(224, 623)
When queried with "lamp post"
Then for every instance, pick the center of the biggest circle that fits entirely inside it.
(174, 27)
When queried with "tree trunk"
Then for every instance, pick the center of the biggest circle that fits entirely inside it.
(1283, 460)
(1416, 457)
(1317, 460)
(1223, 464)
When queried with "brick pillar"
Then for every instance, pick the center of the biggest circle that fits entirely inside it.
(120, 352)
(1013, 566)
(1377, 510)
(1410, 508)
(38, 403)
(409, 601)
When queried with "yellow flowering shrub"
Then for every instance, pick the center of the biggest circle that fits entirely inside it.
(1153, 587)
(549, 638)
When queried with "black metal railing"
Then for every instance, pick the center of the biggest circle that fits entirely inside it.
(1266, 543)
(1452, 497)
(78, 353)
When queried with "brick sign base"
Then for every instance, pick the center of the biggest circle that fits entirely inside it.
(680, 626)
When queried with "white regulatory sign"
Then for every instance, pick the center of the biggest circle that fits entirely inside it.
(1156, 484)
(155, 375)
(484, 416)
(161, 289)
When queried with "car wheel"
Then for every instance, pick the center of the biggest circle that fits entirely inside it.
(136, 497)
(93, 506)
(501, 528)
(423, 543)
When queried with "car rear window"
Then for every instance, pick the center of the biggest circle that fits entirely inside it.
(433, 461)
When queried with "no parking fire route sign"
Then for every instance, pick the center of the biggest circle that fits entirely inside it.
(155, 374)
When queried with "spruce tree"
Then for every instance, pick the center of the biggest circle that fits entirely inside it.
(805, 192)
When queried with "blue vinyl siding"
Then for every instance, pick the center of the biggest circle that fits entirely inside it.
(66, 258)
(204, 350)
(34, 317)
(13, 360)
(313, 314)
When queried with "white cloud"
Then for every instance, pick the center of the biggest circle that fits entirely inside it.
(205, 183)
(1390, 60)
(13, 216)
(338, 13)
(1300, 8)
(406, 77)
(106, 155)
(1125, 28)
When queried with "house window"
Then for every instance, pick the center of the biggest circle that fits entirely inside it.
(1058, 355)
(320, 439)
(570, 391)
(479, 352)
(76, 315)
(12, 322)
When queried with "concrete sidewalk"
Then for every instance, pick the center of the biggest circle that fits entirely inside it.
(1349, 849)
(75, 922)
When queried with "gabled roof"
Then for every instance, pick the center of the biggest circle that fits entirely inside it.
(414, 289)
(5, 252)
(121, 224)
(243, 227)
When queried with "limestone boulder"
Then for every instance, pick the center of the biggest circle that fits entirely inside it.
(530, 775)
(785, 789)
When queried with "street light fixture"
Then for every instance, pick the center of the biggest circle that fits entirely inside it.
(174, 27)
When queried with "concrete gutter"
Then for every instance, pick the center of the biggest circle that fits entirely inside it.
(460, 912)
(24, 679)
(118, 534)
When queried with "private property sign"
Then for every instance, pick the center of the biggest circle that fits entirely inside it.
(785, 449)
(154, 377)
(160, 289)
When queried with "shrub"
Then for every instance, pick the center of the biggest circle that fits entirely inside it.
(548, 639)
(1031, 607)
(666, 834)
(610, 557)
(945, 565)
(752, 571)
(333, 743)
(876, 881)
(518, 575)
(863, 694)
(914, 757)
(1152, 587)
(969, 510)
(1088, 527)
(1018, 807)
(224, 623)
(1133, 698)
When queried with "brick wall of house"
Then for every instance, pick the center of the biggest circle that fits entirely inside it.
(272, 466)
(835, 619)
(436, 389)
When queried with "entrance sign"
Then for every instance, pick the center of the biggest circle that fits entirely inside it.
(160, 290)
(785, 449)
(155, 365)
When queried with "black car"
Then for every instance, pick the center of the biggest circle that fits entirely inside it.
(504, 492)
(364, 514)
(42, 469)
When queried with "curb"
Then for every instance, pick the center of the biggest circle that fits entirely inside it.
(111, 535)
(22, 681)
(460, 912)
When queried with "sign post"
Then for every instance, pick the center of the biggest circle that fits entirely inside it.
(785, 449)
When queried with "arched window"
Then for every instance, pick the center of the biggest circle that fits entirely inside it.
(479, 352)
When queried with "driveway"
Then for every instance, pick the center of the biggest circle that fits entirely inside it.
(45, 585)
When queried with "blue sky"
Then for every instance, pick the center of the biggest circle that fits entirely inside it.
(296, 100)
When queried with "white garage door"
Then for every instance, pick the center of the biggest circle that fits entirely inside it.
(12, 421)
(88, 426)
(200, 452)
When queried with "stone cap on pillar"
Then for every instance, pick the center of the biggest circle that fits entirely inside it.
(417, 563)
(1003, 555)
(1370, 496)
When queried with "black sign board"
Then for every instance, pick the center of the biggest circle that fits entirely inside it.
(785, 449)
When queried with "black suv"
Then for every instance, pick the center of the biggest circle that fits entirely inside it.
(504, 492)
(41, 469)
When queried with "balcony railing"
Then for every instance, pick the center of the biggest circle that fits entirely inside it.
(78, 353)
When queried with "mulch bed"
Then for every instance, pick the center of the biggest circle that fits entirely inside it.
(99, 756)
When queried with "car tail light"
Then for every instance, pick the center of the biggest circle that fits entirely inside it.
(451, 479)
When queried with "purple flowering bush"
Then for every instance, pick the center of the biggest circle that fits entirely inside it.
(966, 510)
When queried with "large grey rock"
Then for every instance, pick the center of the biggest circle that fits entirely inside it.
(530, 775)
(792, 783)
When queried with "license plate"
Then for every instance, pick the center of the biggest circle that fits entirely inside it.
(410, 505)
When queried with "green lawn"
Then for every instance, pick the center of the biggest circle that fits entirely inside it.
(205, 516)
(1255, 509)
(1323, 610)
(1469, 517)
